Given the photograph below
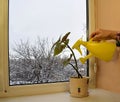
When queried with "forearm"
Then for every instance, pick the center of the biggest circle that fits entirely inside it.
(103, 34)
(114, 34)
(111, 34)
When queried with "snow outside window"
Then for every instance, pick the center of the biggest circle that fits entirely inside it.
(34, 25)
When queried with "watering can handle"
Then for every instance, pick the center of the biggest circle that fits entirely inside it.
(91, 40)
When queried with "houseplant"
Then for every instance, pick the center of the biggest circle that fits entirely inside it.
(78, 84)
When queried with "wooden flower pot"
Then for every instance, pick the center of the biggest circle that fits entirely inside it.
(79, 86)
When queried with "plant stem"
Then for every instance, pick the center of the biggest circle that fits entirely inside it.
(76, 68)
(73, 56)
(79, 75)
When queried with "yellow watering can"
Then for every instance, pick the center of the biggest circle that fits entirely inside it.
(103, 50)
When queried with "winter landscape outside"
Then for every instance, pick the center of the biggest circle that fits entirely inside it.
(34, 25)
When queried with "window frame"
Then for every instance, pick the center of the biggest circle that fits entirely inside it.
(5, 89)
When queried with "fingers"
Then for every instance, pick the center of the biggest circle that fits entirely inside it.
(92, 35)
(97, 37)
(95, 34)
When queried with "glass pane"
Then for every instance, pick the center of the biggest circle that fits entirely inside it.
(33, 27)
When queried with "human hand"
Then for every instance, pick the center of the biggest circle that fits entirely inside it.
(102, 34)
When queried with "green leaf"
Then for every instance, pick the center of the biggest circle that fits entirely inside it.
(63, 46)
(66, 42)
(67, 61)
(59, 47)
(65, 37)
(58, 41)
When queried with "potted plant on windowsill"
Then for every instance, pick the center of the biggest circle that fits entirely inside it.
(78, 84)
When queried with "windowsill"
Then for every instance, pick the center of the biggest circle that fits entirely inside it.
(95, 95)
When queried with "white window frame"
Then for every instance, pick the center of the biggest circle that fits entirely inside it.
(5, 89)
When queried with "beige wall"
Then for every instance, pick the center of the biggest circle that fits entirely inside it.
(108, 14)
(108, 17)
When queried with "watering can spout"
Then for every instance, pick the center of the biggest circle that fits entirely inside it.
(77, 45)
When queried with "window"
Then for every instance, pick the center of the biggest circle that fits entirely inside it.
(33, 26)
(25, 18)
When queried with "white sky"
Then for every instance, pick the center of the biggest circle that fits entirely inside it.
(46, 18)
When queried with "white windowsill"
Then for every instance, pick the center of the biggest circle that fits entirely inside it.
(95, 95)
